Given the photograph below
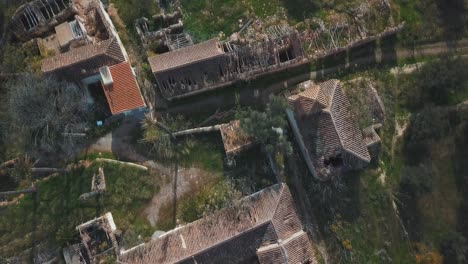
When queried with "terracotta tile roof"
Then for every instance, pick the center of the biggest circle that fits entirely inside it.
(327, 126)
(123, 94)
(250, 231)
(106, 50)
(347, 127)
(188, 55)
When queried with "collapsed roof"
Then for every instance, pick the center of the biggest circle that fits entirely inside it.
(261, 228)
(87, 43)
(213, 64)
(85, 60)
(36, 18)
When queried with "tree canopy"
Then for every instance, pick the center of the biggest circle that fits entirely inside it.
(41, 109)
(267, 127)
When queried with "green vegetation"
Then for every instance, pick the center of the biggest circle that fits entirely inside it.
(17, 57)
(432, 20)
(205, 153)
(207, 18)
(368, 231)
(129, 10)
(422, 88)
(50, 216)
(268, 127)
(211, 198)
(39, 110)
(419, 183)
(154, 140)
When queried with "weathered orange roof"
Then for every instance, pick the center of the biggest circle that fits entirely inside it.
(123, 94)
(188, 55)
(105, 50)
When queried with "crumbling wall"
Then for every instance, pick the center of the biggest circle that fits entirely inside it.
(169, 37)
(37, 18)
(241, 61)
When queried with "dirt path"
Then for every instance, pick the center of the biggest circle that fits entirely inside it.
(188, 179)
(399, 132)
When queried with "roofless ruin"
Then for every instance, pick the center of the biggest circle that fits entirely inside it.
(214, 63)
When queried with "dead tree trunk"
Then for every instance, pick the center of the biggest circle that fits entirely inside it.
(49, 170)
(24, 191)
(197, 130)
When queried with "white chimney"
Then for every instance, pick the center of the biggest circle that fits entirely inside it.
(106, 75)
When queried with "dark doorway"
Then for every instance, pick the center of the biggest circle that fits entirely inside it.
(102, 110)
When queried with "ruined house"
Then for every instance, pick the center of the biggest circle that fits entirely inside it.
(234, 139)
(39, 17)
(212, 64)
(325, 130)
(169, 37)
(261, 228)
(98, 239)
(79, 43)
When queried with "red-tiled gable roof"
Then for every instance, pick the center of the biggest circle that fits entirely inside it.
(105, 50)
(188, 55)
(123, 94)
(238, 234)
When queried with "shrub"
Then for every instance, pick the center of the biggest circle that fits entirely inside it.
(418, 179)
(454, 246)
(438, 82)
(209, 200)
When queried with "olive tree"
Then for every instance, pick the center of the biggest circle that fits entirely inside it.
(45, 109)
(267, 127)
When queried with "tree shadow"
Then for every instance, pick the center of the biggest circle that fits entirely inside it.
(336, 60)
(453, 13)
(300, 9)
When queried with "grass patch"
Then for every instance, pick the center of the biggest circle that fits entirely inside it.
(210, 198)
(206, 19)
(57, 210)
(129, 10)
(203, 153)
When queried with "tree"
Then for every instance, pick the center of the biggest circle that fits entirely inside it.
(159, 135)
(44, 108)
(454, 246)
(267, 127)
(440, 82)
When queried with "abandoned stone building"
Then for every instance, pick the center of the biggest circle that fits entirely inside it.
(78, 42)
(212, 64)
(327, 133)
(261, 228)
(169, 37)
(234, 139)
(98, 240)
(37, 18)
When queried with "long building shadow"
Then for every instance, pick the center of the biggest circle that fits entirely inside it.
(389, 51)
(363, 55)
